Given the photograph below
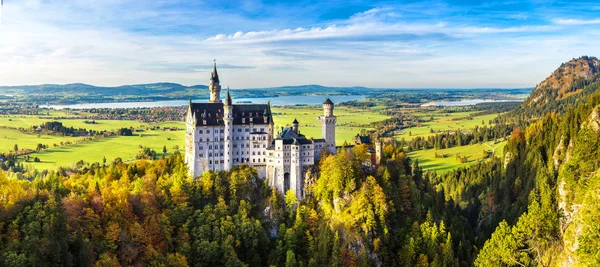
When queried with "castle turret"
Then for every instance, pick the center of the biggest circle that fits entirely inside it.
(378, 151)
(214, 86)
(328, 121)
(296, 169)
(228, 144)
(295, 125)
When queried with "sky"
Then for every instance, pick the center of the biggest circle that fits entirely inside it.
(257, 44)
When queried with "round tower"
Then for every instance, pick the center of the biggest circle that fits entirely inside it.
(328, 121)
(378, 151)
(295, 125)
(228, 121)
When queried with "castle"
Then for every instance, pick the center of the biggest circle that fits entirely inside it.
(222, 134)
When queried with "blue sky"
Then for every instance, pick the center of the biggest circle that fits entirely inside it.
(399, 44)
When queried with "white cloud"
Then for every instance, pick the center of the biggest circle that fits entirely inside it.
(577, 21)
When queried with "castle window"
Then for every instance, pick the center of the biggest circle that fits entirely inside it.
(246, 130)
(201, 156)
(210, 154)
(200, 139)
(262, 129)
(239, 130)
(221, 154)
(207, 131)
(210, 161)
(209, 147)
(222, 161)
(199, 131)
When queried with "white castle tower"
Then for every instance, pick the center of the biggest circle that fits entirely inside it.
(228, 121)
(214, 86)
(328, 121)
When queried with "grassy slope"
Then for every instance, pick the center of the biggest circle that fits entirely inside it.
(442, 122)
(124, 147)
(474, 153)
(8, 139)
(26, 121)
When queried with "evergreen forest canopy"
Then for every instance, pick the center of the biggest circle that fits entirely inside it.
(537, 205)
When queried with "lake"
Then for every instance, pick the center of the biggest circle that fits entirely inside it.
(276, 101)
(465, 102)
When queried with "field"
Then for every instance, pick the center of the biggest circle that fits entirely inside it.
(9, 137)
(350, 122)
(124, 147)
(27, 121)
(442, 122)
(474, 153)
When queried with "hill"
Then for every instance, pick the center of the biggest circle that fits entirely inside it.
(544, 200)
(568, 80)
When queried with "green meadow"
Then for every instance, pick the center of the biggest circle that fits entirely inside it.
(474, 154)
(443, 122)
(350, 122)
(26, 121)
(9, 138)
(124, 147)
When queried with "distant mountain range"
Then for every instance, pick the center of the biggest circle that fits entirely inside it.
(174, 89)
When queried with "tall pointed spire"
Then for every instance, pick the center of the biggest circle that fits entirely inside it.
(228, 99)
(215, 75)
(214, 85)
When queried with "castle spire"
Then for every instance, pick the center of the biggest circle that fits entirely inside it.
(215, 75)
(228, 99)
(214, 85)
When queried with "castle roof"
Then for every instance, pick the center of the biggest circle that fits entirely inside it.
(289, 137)
(213, 114)
(228, 99)
(358, 139)
(214, 76)
(328, 102)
